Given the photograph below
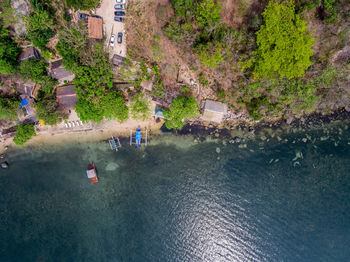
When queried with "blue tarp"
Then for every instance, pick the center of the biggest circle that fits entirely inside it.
(24, 102)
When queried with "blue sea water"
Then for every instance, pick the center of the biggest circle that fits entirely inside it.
(177, 200)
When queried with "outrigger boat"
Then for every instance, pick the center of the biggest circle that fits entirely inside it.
(91, 173)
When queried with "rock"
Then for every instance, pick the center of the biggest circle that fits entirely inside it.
(263, 138)
(4, 165)
(279, 139)
(2, 156)
(290, 120)
(304, 139)
(347, 108)
(189, 130)
(237, 139)
(217, 134)
(218, 150)
(21, 9)
(218, 158)
(6, 147)
(211, 126)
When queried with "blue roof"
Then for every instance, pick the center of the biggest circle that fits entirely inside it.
(24, 102)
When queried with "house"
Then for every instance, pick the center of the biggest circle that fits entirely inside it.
(66, 98)
(95, 27)
(118, 60)
(213, 111)
(58, 72)
(29, 53)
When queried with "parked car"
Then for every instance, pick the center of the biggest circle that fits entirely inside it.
(119, 13)
(121, 1)
(120, 37)
(119, 7)
(82, 16)
(119, 19)
(112, 40)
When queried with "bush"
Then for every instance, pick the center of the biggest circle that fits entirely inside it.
(46, 110)
(181, 108)
(210, 54)
(207, 13)
(284, 43)
(9, 51)
(183, 8)
(140, 107)
(82, 4)
(24, 132)
(33, 69)
(40, 28)
(9, 108)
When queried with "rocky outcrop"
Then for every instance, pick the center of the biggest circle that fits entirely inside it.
(21, 9)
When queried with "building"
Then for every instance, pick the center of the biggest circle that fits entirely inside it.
(213, 111)
(29, 53)
(66, 98)
(58, 72)
(95, 27)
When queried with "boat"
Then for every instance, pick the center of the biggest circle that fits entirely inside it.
(138, 137)
(114, 143)
(91, 173)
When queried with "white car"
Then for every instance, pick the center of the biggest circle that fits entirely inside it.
(112, 40)
(121, 1)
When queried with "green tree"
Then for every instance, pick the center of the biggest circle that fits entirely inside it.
(24, 132)
(284, 43)
(210, 54)
(46, 110)
(181, 109)
(140, 107)
(9, 108)
(40, 28)
(33, 69)
(82, 4)
(9, 52)
(183, 7)
(113, 106)
(87, 110)
(207, 13)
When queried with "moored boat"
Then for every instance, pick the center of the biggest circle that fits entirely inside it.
(91, 173)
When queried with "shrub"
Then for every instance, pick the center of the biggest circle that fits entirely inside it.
(9, 51)
(46, 110)
(24, 132)
(181, 108)
(33, 69)
(9, 108)
(210, 54)
(284, 43)
(140, 107)
(207, 13)
(183, 8)
(82, 4)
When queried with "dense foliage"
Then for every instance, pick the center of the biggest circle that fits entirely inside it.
(24, 132)
(284, 43)
(82, 4)
(140, 107)
(93, 80)
(9, 52)
(207, 12)
(46, 110)
(33, 69)
(183, 7)
(181, 109)
(9, 108)
(40, 27)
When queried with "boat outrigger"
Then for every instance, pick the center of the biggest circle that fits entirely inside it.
(91, 173)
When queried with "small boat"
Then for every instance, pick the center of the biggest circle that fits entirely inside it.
(91, 173)
(114, 143)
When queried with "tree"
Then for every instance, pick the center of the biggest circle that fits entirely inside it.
(46, 110)
(40, 27)
(140, 107)
(210, 54)
(181, 108)
(113, 106)
(182, 7)
(82, 4)
(9, 51)
(207, 13)
(33, 69)
(284, 43)
(9, 108)
(88, 111)
(24, 132)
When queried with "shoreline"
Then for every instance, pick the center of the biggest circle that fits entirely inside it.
(234, 131)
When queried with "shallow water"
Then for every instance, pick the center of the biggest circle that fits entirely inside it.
(178, 200)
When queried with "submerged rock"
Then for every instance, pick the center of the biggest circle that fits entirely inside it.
(4, 165)
(218, 150)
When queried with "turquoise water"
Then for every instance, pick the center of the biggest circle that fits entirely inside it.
(178, 200)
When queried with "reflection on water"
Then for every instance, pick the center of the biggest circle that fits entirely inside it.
(179, 200)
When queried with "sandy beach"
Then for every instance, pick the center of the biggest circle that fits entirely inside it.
(48, 135)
